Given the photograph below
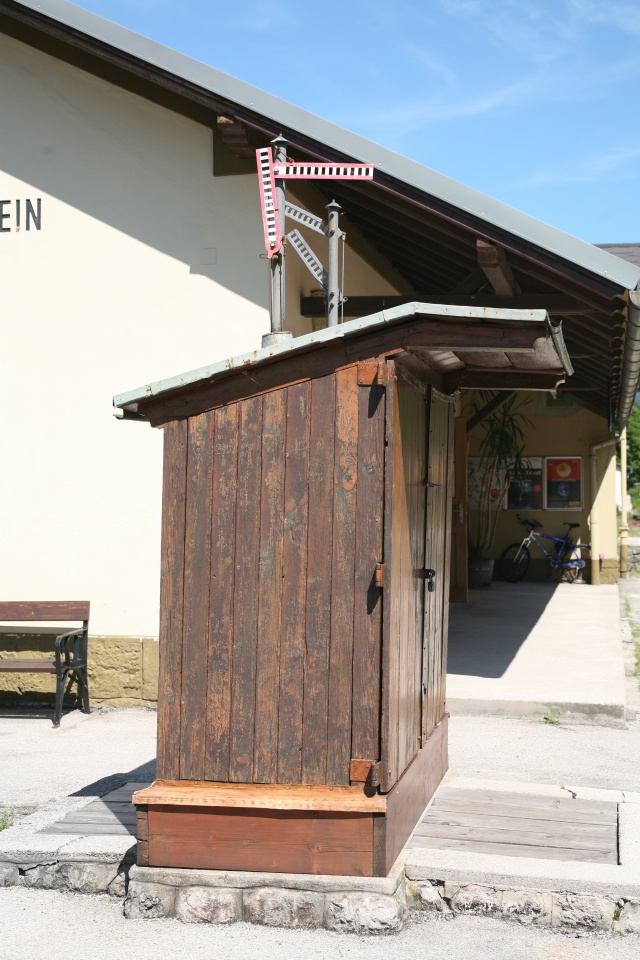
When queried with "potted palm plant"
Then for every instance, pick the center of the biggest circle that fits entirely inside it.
(501, 462)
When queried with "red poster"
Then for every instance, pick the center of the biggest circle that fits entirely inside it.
(564, 483)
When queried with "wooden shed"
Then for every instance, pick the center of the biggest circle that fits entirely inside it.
(304, 602)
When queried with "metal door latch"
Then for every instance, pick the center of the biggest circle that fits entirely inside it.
(427, 574)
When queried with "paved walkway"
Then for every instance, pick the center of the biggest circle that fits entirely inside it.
(523, 649)
(57, 773)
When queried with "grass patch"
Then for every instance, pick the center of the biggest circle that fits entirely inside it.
(552, 718)
(6, 819)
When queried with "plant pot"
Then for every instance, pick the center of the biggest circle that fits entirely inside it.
(480, 572)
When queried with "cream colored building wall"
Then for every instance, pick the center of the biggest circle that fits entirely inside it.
(144, 266)
(562, 428)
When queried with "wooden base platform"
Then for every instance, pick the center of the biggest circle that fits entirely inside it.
(286, 829)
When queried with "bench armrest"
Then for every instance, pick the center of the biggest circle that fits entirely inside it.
(72, 646)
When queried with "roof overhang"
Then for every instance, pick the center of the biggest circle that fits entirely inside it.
(426, 225)
(453, 347)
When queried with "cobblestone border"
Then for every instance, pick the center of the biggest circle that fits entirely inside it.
(528, 907)
(74, 876)
(310, 903)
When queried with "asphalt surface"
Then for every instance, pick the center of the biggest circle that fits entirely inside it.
(536, 752)
(47, 925)
(88, 754)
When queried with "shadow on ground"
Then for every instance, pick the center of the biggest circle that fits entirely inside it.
(486, 633)
(146, 772)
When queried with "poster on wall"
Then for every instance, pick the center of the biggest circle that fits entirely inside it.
(564, 483)
(528, 493)
(475, 478)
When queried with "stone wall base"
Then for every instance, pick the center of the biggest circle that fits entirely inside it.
(73, 876)
(559, 909)
(342, 904)
(609, 570)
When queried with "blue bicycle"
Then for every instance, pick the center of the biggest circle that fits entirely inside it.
(564, 557)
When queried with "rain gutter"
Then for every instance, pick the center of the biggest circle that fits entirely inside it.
(631, 361)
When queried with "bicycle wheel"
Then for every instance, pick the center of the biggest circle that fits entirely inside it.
(569, 563)
(514, 562)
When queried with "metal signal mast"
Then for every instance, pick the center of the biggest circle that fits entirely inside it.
(272, 174)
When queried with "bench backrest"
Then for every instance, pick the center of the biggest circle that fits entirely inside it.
(60, 610)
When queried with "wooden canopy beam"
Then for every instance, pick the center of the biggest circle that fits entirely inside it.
(493, 261)
(494, 404)
(504, 380)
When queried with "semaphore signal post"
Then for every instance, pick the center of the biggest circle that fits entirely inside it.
(274, 168)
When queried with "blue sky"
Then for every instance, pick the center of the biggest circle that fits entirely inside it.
(534, 102)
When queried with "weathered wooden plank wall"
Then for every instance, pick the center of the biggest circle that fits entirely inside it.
(270, 586)
(217, 706)
(171, 598)
(272, 532)
(319, 581)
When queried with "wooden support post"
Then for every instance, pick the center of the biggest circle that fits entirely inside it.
(497, 269)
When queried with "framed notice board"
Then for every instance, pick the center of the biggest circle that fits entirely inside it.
(528, 492)
(563, 482)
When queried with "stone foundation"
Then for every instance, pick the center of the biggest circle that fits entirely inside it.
(123, 671)
(342, 904)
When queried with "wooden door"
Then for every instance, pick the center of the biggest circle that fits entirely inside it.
(459, 538)
(437, 558)
(405, 505)
(417, 538)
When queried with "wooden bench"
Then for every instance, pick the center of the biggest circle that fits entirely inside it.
(69, 662)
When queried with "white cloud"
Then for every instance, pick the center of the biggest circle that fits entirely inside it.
(619, 164)
(433, 64)
(624, 16)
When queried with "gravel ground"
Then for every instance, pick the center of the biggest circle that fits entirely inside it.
(94, 929)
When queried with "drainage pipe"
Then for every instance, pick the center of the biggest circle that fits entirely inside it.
(624, 519)
(594, 519)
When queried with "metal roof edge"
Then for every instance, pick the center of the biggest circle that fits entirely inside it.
(631, 361)
(411, 172)
(310, 341)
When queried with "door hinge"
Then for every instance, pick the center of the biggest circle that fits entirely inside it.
(373, 371)
(365, 771)
(379, 575)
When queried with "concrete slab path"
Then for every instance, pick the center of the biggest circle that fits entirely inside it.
(523, 649)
